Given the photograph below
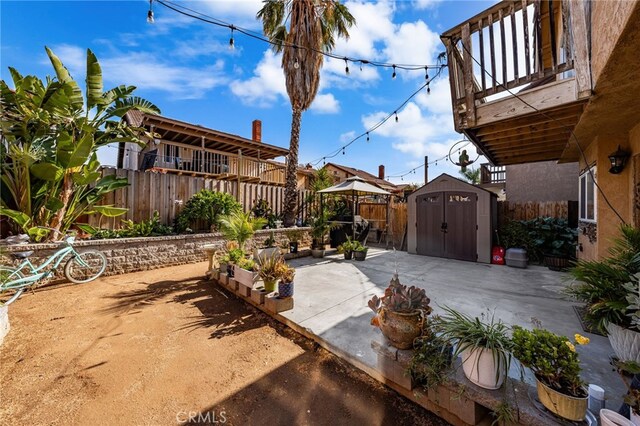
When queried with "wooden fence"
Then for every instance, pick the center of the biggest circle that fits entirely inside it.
(376, 213)
(531, 210)
(148, 192)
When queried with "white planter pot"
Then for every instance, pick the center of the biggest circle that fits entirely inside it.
(635, 418)
(266, 252)
(611, 418)
(243, 276)
(625, 342)
(482, 369)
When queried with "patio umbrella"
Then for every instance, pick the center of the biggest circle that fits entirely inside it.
(354, 186)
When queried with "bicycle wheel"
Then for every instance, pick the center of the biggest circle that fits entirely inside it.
(85, 266)
(9, 295)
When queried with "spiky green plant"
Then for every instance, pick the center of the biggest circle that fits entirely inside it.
(239, 227)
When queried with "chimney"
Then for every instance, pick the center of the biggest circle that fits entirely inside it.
(256, 130)
(381, 171)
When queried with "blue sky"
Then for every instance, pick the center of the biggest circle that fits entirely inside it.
(188, 70)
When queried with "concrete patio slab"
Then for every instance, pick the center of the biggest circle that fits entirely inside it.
(331, 302)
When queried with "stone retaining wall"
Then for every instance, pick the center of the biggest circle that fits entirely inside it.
(126, 255)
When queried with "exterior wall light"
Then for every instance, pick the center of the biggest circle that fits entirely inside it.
(618, 159)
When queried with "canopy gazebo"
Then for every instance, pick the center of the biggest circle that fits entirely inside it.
(356, 187)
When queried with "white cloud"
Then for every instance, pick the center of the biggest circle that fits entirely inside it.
(412, 43)
(266, 85)
(241, 13)
(439, 100)
(325, 103)
(145, 71)
(425, 4)
(347, 136)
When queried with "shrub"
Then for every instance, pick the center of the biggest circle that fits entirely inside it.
(239, 227)
(146, 228)
(208, 206)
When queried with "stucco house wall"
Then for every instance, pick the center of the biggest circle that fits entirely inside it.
(543, 181)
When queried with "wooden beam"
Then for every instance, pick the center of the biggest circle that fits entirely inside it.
(526, 144)
(467, 65)
(482, 68)
(579, 32)
(552, 156)
(525, 27)
(514, 41)
(533, 130)
(492, 49)
(557, 145)
(503, 48)
(572, 112)
(541, 98)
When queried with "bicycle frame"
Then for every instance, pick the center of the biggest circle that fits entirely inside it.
(36, 273)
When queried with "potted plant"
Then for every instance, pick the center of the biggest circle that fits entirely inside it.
(609, 288)
(269, 269)
(400, 313)
(320, 227)
(555, 240)
(243, 272)
(432, 357)
(285, 285)
(294, 236)
(360, 252)
(230, 259)
(554, 362)
(239, 227)
(483, 345)
(268, 247)
(347, 247)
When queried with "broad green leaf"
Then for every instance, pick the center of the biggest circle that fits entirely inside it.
(85, 227)
(110, 211)
(94, 81)
(46, 171)
(86, 177)
(20, 218)
(36, 233)
(54, 204)
(64, 77)
(72, 155)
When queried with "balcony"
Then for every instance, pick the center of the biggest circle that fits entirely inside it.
(535, 49)
(492, 175)
(184, 159)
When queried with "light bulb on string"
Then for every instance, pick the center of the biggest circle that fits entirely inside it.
(367, 136)
(150, 13)
(346, 66)
(342, 151)
(393, 76)
(231, 41)
(396, 116)
(363, 62)
(426, 73)
(428, 89)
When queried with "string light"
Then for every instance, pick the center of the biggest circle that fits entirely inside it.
(231, 41)
(150, 13)
(393, 76)
(367, 136)
(346, 66)
(426, 73)
(396, 116)
(343, 151)
(184, 10)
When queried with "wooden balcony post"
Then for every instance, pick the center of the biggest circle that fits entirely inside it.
(580, 38)
(202, 156)
(467, 54)
(238, 192)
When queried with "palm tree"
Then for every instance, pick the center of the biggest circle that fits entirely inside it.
(301, 30)
(471, 175)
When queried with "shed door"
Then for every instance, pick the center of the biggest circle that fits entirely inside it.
(461, 231)
(446, 225)
(430, 217)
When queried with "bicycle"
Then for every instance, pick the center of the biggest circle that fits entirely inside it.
(81, 267)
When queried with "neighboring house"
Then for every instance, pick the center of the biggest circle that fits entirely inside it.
(185, 148)
(341, 173)
(576, 63)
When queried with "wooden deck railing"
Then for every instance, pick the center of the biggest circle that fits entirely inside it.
(492, 174)
(203, 161)
(510, 45)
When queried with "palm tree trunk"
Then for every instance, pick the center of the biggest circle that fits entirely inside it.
(65, 197)
(290, 189)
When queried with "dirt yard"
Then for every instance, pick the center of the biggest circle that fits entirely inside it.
(166, 347)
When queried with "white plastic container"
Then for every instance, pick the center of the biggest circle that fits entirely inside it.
(516, 258)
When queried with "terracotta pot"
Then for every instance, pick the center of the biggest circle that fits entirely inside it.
(611, 418)
(483, 368)
(565, 406)
(625, 342)
(400, 328)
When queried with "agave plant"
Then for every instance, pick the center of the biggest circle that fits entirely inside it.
(400, 298)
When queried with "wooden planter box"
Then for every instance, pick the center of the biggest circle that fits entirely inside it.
(244, 277)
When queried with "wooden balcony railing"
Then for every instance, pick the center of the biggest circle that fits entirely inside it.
(492, 174)
(221, 165)
(515, 45)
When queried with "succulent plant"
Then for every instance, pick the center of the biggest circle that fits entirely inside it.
(400, 298)
(287, 273)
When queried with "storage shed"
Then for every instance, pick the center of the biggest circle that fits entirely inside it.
(451, 218)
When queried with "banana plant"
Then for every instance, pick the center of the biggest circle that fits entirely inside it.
(51, 132)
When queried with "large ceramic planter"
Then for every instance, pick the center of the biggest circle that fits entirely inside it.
(360, 255)
(317, 253)
(400, 328)
(266, 252)
(625, 342)
(270, 285)
(482, 368)
(565, 406)
(285, 289)
(611, 418)
(244, 277)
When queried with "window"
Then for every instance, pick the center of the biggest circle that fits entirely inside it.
(587, 197)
